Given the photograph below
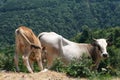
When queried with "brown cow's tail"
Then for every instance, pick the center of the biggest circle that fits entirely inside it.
(18, 31)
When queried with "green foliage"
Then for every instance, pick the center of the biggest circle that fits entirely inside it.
(6, 59)
(79, 68)
(58, 66)
(2, 60)
(114, 57)
(65, 17)
(86, 35)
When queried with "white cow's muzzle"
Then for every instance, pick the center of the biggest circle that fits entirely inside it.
(105, 55)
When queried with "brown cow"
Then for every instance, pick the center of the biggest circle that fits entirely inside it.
(29, 46)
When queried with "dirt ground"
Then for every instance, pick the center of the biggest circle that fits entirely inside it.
(48, 75)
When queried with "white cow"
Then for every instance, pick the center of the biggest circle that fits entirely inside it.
(57, 46)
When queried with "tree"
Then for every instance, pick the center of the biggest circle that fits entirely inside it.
(86, 34)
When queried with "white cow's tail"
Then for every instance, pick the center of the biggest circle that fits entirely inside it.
(40, 35)
(18, 31)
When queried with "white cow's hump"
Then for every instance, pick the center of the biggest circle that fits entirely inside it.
(49, 39)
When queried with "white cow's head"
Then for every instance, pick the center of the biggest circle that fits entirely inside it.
(102, 46)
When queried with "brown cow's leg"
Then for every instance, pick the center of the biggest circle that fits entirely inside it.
(26, 62)
(16, 60)
(31, 63)
(39, 61)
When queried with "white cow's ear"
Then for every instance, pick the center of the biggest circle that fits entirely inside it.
(94, 43)
(109, 42)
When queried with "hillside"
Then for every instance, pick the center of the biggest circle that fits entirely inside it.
(76, 20)
(66, 17)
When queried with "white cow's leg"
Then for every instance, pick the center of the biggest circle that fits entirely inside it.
(51, 57)
(96, 64)
(16, 60)
(26, 62)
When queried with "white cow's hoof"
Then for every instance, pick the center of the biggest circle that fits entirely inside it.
(45, 70)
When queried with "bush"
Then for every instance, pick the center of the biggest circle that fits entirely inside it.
(58, 66)
(79, 68)
(6, 62)
(6, 58)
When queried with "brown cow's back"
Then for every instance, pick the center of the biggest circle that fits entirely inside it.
(21, 43)
(29, 34)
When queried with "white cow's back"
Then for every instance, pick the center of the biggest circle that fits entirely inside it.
(73, 50)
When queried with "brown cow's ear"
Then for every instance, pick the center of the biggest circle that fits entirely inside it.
(43, 48)
(35, 46)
